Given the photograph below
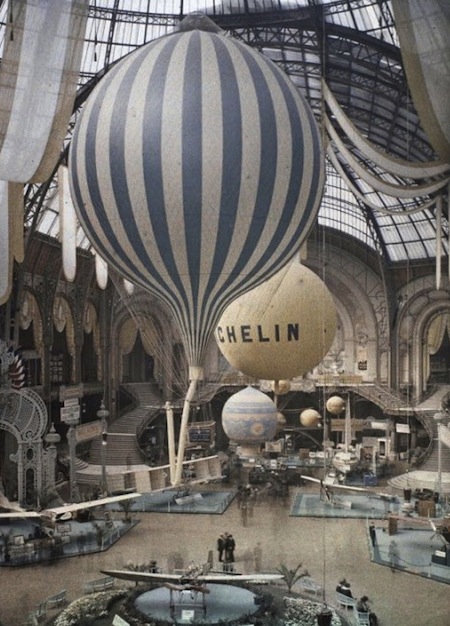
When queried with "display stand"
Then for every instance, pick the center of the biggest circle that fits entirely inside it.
(185, 605)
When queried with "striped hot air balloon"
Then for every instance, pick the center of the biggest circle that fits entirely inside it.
(196, 171)
(16, 371)
(11, 365)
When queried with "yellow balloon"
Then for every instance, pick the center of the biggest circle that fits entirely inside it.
(309, 418)
(280, 387)
(335, 405)
(282, 328)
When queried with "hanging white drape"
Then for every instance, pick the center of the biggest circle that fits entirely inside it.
(128, 286)
(423, 29)
(11, 234)
(436, 332)
(404, 191)
(63, 320)
(91, 325)
(39, 71)
(67, 226)
(38, 80)
(395, 165)
(435, 336)
(101, 271)
(394, 210)
(127, 336)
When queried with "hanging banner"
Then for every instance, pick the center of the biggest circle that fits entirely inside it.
(38, 80)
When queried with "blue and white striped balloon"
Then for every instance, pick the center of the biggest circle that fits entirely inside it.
(196, 172)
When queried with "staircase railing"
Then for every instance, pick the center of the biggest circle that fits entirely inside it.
(393, 404)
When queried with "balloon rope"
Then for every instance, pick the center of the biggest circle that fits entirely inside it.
(183, 430)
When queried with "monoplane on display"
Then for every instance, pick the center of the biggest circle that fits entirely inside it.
(62, 513)
(330, 484)
(193, 580)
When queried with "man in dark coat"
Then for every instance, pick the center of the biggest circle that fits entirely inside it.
(230, 545)
(221, 546)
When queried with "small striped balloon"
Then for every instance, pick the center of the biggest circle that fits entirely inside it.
(196, 171)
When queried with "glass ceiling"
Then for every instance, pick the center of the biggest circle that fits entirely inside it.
(353, 45)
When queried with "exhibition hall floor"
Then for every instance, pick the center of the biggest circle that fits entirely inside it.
(329, 548)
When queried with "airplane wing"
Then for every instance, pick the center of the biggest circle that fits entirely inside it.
(64, 512)
(8, 506)
(89, 504)
(176, 578)
(349, 488)
(384, 496)
(14, 514)
(331, 487)
(311, 479)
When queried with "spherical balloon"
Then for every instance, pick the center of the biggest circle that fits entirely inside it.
(282, 328)
(309, 418)
(280, 387)
(281, 420)
(335, 405)
(196, 170)
(249, 416)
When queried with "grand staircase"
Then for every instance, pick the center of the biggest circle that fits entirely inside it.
(125, 468)
(122, 452)
(434, 471)
(122, 448)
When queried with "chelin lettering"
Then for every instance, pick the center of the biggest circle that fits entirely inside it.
(248, 333)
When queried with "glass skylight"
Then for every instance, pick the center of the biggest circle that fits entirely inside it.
(359, 71)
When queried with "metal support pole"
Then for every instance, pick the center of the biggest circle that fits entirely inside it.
(103, 460)
(183, 430)
(103, 415)
(72, 447)
(439, 417)
(439, 463)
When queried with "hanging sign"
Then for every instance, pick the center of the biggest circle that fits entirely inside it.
(86, 432)
(69, 413)
(70, 391)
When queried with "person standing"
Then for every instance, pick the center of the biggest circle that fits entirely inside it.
(230, 546)
(393, 555)
(221, 546)
(257, 556)
(244, 512)
(373, 534)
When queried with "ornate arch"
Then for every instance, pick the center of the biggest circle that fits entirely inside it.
(141, 312)
(422, 303)
(361, 302)
(23, 414)
(420, 359)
